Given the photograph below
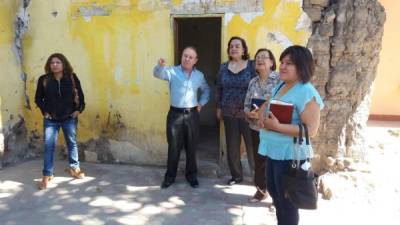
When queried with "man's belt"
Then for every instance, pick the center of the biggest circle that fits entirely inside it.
(182, 110)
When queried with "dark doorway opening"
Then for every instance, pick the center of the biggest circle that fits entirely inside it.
(204, 33)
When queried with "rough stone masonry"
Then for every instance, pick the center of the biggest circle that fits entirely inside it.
(346, 41)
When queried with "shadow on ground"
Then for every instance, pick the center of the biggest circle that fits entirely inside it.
(119, 194)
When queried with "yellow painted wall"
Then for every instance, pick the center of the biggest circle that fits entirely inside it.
(114, 56)
(11, 85)
(279, 16)
(386, 93)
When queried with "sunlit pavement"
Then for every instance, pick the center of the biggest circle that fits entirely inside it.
(121, 194)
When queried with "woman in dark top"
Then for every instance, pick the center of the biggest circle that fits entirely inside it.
(233, 80)
(60, 98)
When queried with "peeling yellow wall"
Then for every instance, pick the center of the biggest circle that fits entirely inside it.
(114, 51)
(11, 85)
(386, 94)
(113, 57)
(278, 16)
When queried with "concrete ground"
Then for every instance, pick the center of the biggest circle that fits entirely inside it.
(123, 194)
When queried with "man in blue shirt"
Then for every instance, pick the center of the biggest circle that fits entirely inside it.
(183, 116)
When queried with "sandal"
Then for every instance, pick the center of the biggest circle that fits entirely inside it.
(258, 196)
(76, 173)
(233, 181)
(44, 182)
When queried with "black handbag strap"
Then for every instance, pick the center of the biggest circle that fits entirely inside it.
(306, 134)
(299, 141)
(299, 138)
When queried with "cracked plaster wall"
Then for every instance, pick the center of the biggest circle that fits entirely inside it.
(13, 97)
(113, 46)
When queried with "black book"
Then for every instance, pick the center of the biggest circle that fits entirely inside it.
(256, 102)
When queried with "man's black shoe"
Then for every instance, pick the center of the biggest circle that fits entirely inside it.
(166, 184)
(233, 181)
(194, 183)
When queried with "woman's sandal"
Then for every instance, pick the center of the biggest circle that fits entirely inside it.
(45, 182)
(258, 196)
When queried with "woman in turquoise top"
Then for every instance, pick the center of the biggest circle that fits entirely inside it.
(276, 139)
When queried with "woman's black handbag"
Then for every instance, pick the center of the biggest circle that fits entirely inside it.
(300, 184)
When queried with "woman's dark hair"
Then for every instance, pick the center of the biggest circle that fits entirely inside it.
(67, 68)
(245, 55)
(271, 57)
(302, 59)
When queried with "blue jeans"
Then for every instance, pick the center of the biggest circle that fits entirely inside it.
(286, 213)
(51, 129)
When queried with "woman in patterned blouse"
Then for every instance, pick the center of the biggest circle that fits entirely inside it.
(259, 90)
(233, 80)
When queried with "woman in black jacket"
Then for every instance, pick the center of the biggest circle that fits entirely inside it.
(60, 98)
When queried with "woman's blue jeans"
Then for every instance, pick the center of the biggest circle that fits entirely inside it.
(51, 129)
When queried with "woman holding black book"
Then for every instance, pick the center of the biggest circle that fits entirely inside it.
(276, 139)
(259, 90)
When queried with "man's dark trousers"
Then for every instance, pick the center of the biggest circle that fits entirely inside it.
(182, 132)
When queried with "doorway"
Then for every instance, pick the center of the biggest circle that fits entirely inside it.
(204, 33)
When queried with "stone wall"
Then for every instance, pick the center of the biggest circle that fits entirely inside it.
(17, 146)
(346, 42)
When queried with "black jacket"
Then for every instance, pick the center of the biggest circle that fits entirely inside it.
(57, 98)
